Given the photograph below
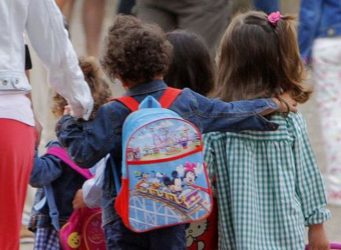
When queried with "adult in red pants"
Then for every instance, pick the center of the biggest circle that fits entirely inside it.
(16, 154)
(43, 23)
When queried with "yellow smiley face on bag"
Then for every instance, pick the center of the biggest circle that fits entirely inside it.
(74, 240)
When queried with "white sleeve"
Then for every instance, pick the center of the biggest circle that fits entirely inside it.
(49, 38)
(92, 188)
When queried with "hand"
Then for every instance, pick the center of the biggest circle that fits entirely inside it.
(285, 103)
(317, 238)
(38, 129)
(67, 110)
(78, 201)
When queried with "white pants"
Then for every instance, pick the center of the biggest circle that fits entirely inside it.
(327, 77)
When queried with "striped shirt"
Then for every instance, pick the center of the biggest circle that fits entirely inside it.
(268, 186)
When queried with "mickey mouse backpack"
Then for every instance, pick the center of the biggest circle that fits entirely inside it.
(164, 177)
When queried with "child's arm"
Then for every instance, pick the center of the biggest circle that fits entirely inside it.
(309, 184)
(45, 169)
(317, 237)
(214, 115)
(88, 142)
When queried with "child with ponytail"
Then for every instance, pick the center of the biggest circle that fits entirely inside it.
(269, 186)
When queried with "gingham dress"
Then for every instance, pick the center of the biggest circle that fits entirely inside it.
(268, 186)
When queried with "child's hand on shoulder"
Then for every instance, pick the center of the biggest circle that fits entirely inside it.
(285, 103)
(317, 238)
(78, 201)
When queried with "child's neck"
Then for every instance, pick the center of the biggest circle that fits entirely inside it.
(129, 84)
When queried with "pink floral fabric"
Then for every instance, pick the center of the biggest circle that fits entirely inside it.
(327, 79)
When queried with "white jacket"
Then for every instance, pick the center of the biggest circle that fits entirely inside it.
(43, 23)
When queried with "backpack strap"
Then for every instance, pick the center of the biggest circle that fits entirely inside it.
(168, 97)
(129, 102)
(166, 100)
(63, 155)
(53, 210)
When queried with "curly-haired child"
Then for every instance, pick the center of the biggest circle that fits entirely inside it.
(268, 184)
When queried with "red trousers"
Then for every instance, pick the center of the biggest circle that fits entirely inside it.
(16, 159)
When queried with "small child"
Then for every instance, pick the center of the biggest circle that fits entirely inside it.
(268, 184)
(50, 170)
(139, 54)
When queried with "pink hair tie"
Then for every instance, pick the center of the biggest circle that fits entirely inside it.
(274, 17)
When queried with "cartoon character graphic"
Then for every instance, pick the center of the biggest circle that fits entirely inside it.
(74, 240)
(190, 175)
(193, 232)
(174, 184)
(143, 179)
(184, 137)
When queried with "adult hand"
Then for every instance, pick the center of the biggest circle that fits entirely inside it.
(38, 129)
(67, 110)
(78, 201)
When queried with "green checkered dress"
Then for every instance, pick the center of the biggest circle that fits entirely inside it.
(268, 186)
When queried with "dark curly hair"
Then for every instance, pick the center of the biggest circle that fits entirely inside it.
(136, 51)
(100, 90)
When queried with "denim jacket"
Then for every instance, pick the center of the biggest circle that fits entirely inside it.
(65, 181)
(318, 18)
(88, 142)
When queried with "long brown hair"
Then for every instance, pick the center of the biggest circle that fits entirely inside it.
(258, 59)
(100, 90)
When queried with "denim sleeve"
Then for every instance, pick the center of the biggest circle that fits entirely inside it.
(89, 141)
(214, 115)
(310, 14)
(45, 170)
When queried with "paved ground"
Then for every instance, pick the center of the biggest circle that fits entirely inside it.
(309, 109)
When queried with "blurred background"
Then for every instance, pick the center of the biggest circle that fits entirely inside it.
(42, 93)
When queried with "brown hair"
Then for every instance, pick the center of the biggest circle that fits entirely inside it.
(99, 88)
(136, 51)
(258, 59)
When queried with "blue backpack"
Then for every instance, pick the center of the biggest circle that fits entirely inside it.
(164, 177)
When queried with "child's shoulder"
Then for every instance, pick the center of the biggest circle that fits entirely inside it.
(53, 143)
(297, 120)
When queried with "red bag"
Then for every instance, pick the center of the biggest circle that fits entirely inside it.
(83, 231)
(203, 235)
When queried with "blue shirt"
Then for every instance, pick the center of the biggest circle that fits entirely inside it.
(88, 142)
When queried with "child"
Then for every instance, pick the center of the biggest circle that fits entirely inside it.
(268, 184)
(192, 66)
(50, 170)
(139, 54)
(320, 45)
